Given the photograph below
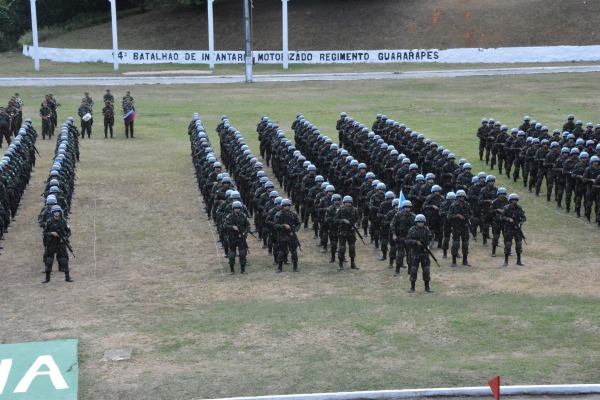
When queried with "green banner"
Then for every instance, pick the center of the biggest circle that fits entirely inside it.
(39, 370)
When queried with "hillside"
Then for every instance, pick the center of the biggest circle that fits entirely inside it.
(353, 25)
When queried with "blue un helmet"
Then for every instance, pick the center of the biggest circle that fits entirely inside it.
(336, 197)
(236, 204)
(389, 195)
(286, 202)
(420, 218)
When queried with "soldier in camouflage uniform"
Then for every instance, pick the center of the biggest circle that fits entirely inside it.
(459, 214)
(399, 227)
(287, 223)
(56, 233)
(496, 210)
(418, 238)
(513, 217)
(330, 225)
(346, 219)
(237, 226)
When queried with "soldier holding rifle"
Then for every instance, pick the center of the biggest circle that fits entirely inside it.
(237, 227)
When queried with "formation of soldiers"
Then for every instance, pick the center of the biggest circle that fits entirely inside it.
(383, 215)
(275, 221)
(58, 195)
(16, 166)
(567, 160)
(86, 114)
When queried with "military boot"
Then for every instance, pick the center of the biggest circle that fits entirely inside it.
(47, 277)
(505, 261)
(453, 261)
(548, 197)
(243, 269)
(332, 257)
(341, 265)
(427, 288)
(412, 287)
(279, 267)
(365, 233)
(392, 262)
(519, 260)
(68, 277)
(231, 270)
(494, 250)
(296, 267)
(465, 261)
(353, 264)
(485, 238)
(445, 254)
(324, 248)
(397, 272)
(376, 243)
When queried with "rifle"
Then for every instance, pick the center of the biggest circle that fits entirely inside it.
(358, 233)
(293, 234)
(36, 150)
(252, 233)
(430, 253)
(471, 229)
(64, 239)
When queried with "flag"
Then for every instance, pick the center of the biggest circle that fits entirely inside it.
(495, 386)
(402, 198)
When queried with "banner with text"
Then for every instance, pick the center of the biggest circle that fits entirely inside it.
(39, 370)
(458, 56)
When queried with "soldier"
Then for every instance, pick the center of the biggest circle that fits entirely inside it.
(86, 125)
(56, 235)
(46, 114)
(580, 185)
(127, 107)
(459, 214)
(108, 97)
(557, 169)
(346, 218)
(481, 134)
(387, 233)
(497, 208)
(513, 217)
(499, 146)
(569, 126)
(287, 223)
(109, 118)
(399, 227)
(446, 222)
(486, 196)
(591, 177)
(4, 126)
(330, 230)
(237, 227)
(384, 208)
(489, 140)
(418, 238)
(431, 209)
(272, 243)
(374, 202)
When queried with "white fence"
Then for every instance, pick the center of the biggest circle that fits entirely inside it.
(458, 56)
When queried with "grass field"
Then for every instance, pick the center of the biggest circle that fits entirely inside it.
(150, 277)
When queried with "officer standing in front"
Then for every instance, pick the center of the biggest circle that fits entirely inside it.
(56, 233)
(418, 238)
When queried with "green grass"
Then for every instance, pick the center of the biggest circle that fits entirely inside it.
(156, 283)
